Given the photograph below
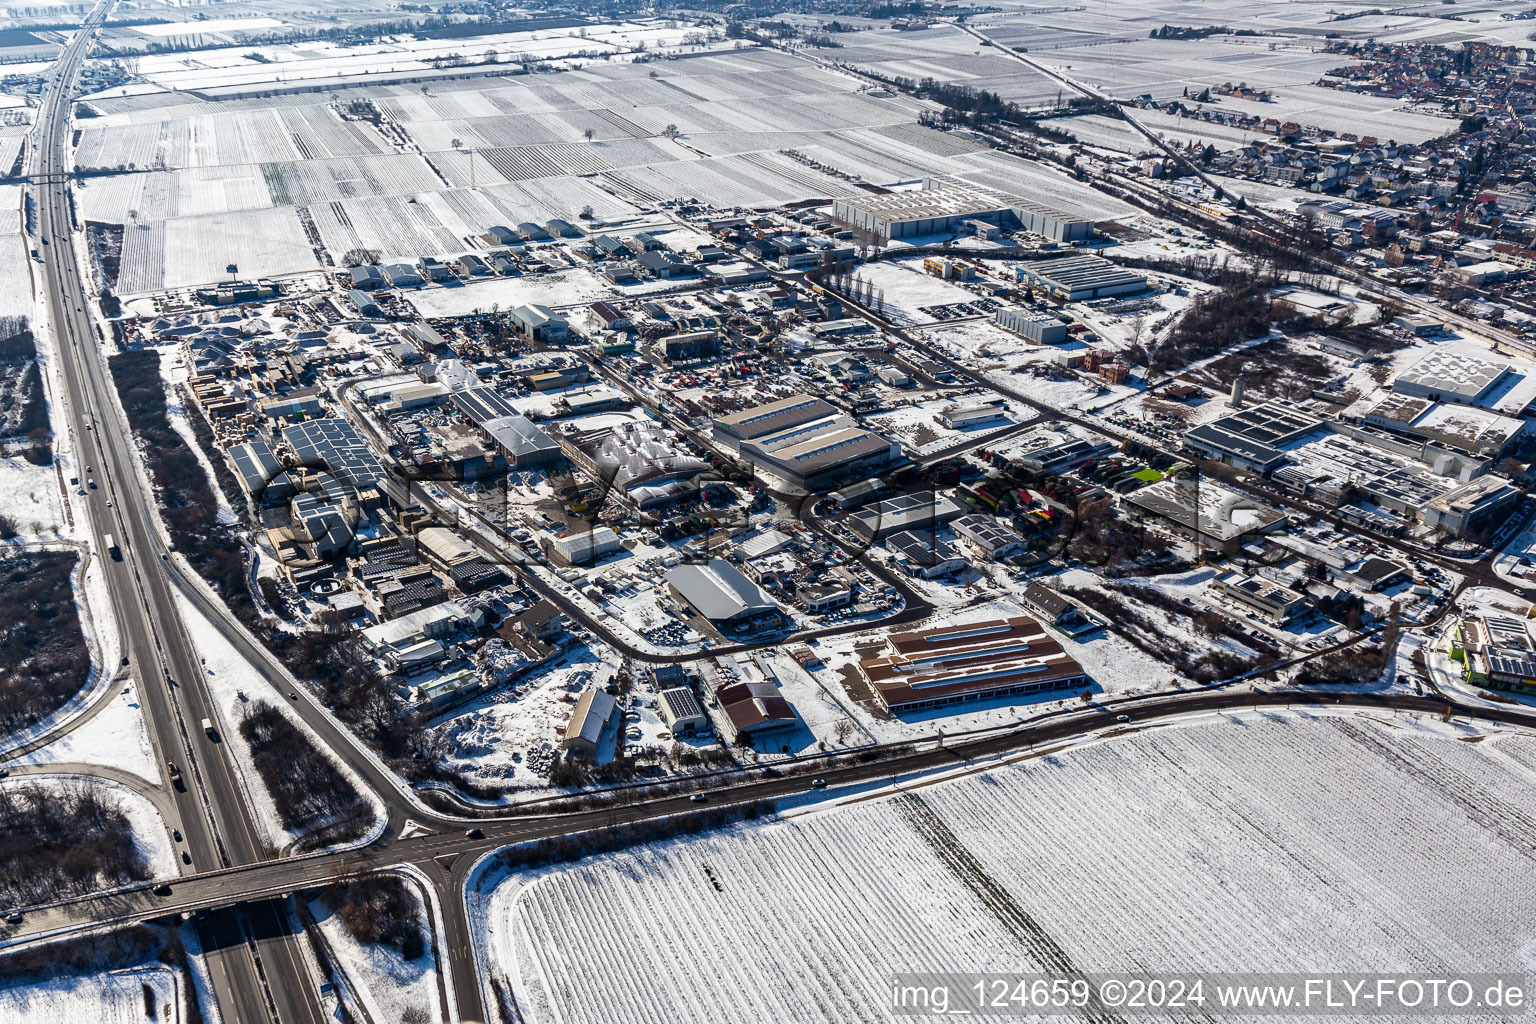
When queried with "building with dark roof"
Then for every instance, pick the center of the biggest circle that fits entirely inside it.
(988, 536)
(923, 555)
(1276, 604)
(1075, 278)
(680, 712)
(335, 445)
(1252, 438)
(753, 709)
(920, 512)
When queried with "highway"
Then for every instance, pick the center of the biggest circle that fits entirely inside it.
(210, 809)
(254, 960)
(448, 857)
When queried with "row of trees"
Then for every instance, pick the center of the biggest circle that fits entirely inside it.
(187, 501)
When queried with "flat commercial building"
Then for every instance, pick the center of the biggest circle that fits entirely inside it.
(920, 512)
(1075, 278)
(584, 547)
(988, 536)
(1251, 438)
(336, 446)
(924, 556)
(1448, 376)
(1206, 511)
(771, 418)
(1463, 428)
(948, 209)
(1276, 604)
(1393, 481)
(970, 662)
(1037, 327)
(966, 416)
(1460, 511)
(1496, 651)
(807, 441)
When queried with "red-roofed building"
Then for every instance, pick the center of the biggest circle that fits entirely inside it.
(970, 662)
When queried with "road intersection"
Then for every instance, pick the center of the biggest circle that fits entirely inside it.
(238, 885)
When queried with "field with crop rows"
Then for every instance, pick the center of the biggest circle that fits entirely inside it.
(750, 180)
(1257, 843)
(1039, 182)
(210, 135)
(396, 226)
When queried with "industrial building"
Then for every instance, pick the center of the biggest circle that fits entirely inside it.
(680, 712)
(593, 711)
(1277, 605)
(921, 512)
(639, 464)
(1463, 509)
(337, 447)
(923, 555)
(585, 547)
(541, 324)
(970, 662)
(989, 537)
(807, 441)
(1449, 376)
(720, 593)
(261, 475)
(965, 415)
(402, 275)
(1462, 428)
(1075, 278)
(940, 208)
(1206, 511)
(753, 710)
(1251, 438)
(1061, 614)
(1041, 328)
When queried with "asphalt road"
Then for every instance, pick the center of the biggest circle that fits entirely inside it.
(257, 972)
(210, 809)
(448, 856)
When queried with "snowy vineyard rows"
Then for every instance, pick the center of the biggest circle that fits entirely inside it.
(1260, 843)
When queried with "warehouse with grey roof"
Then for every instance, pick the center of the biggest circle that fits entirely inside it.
(942, 208)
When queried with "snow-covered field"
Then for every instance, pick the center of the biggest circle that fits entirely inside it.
(1270, 842)
(114, 998)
